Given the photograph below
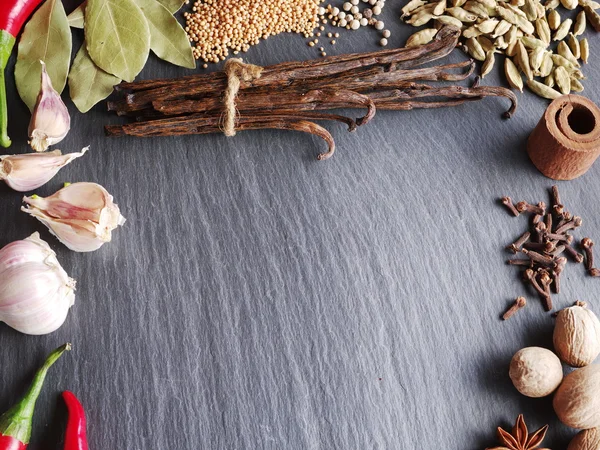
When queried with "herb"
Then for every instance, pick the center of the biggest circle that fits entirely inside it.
(117, 36)
(117, 43)
(76, 18)
(168, 39)
(46, 38)
(88, 84)
(520, 439)
(172, 5)
(284, 96)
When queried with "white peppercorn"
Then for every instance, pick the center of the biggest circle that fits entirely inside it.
(355, 24)
(346, 6)
(364, 22)
(379, 25)
(376, 10)
(383, 42)
(354, 2)
(354, 9)
(386, 33)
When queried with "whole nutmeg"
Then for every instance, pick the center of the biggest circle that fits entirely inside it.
(577, 400)
(577, 336)
(586, 440)
(535, 371)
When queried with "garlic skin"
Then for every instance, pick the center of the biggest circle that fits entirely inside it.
(81, 215)
(577, 336)
(50, 121)
(35, 292)
(30, 171)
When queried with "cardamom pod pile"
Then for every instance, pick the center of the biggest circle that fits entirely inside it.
(523, 30)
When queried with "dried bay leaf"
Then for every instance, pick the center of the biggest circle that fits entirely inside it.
(117, 36)
(172, 5)
(88, 84)
(168, 39)
(47, 38)
(76, 17)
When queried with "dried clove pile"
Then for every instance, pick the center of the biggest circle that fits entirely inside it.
(548, 245)
(293, 95)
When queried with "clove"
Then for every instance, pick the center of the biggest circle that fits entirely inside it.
(523, 206)
(570, 225)
(545, 281)
(587, 244)
(557, 206)
(516, 246)
(538, 257)
(560, 237)
(574, 254)
(507, 201)
(519, 262)
(517, 305)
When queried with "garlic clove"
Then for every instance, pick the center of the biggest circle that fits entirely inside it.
(35, 291)
(50, 121)
(30, 171)
(81, 215)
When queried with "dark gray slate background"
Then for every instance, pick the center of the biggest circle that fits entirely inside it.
(260, 299)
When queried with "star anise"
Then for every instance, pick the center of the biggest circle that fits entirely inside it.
(520, 439)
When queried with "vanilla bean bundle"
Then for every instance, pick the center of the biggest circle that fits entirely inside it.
(293, 95)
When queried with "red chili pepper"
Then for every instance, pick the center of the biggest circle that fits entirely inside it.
(13, 14)
(75, 437)
(15, 424)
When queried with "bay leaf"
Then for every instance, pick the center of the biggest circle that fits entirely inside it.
(172, 5)
(117, 36)
(168, 39)
(76, 17)
(88, 84)
(47, 38)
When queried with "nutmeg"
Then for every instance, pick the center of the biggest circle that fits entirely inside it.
(577, 336)
(577, 400)
(535, 371)
(586, 440)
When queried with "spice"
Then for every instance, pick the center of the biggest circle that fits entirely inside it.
(29, 171)
(543, 244)
(50, 120)
(587, 245)
(12, 17)
(286, 95)
(535, 372)
(577, 400)
(516, 306)
(75, 435)
(521, 29)
(35, 291)
(510, 205)
(577, 335)
(520, 438)
(15, 424)
(81, 215)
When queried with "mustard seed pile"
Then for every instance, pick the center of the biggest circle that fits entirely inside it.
(216, 27)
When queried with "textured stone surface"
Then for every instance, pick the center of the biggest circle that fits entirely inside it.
(260, 299)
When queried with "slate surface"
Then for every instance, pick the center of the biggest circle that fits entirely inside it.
(259, 299)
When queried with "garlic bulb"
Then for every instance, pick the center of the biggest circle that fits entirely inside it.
(50, 121)
(81, 215)
(30, 171)
(35, 292)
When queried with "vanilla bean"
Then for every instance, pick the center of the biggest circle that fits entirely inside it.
(281, 75)
(203, 125)
(443, 43)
